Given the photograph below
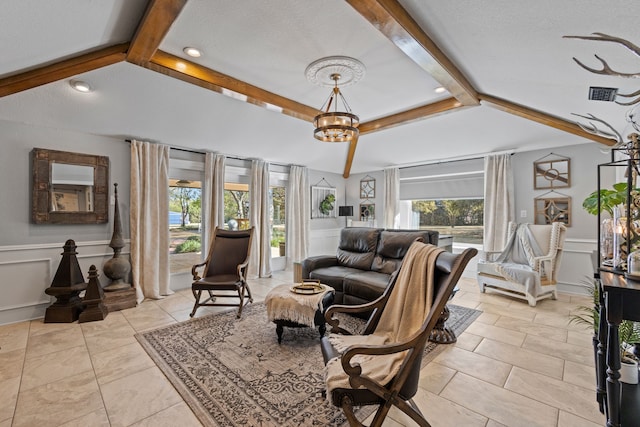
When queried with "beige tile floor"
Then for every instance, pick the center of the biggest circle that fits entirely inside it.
(514, 366)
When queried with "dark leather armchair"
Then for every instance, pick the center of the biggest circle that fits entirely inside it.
(401, 389)
(225, 270)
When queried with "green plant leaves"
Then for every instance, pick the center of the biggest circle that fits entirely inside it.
(326, 205)
(608, 199)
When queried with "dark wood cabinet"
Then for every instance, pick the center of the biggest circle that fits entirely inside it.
(620, 299)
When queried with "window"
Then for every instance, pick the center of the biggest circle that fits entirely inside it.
(461, 218)
(447, 197)
(185, 232)
(277, 220)
(236, 206)
(186, 174)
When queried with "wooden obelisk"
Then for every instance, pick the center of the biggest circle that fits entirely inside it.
(118, 294)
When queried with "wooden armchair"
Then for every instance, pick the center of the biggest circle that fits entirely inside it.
(400, 389)
(225, 270)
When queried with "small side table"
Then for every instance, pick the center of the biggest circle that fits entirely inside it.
(282, 295)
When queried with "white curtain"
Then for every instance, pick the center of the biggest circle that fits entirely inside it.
(297, 215)
(260, 260)
(213, 196)
(499, 207)
(391, 198)
(149, 219)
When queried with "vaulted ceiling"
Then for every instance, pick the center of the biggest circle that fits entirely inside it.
(510, 78)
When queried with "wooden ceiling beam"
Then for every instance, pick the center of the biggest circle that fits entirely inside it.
(155, 24)
(63, 69)
(352, 151)
(193, 73)
(541, 117)
(412, 115)
(392, 20)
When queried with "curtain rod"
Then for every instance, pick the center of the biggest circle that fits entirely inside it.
(186, 150)
(452, 159)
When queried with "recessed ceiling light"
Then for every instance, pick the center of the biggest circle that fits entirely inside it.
(80, 86)
(181, 66)
(439, 89)
(192, 52)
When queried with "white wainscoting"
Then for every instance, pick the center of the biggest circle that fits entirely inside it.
(27, 270)
(324, 242)
(576, 266)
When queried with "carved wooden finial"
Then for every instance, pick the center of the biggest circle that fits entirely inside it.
(94, 308)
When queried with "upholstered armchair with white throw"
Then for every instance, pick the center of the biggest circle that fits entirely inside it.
(528, 265)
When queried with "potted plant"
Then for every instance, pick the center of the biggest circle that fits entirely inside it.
(629, 333)
(590, 316)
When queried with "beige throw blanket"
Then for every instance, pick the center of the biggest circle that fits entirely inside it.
(282, 304)
(404, 314)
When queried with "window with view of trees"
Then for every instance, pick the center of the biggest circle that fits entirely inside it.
(445, 196)
(277, 216)
(464, 218)
(185, 210)
(236, 206)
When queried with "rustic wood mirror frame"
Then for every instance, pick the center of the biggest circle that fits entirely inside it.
(41, 212)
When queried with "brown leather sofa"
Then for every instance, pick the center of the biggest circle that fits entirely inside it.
(365, 259)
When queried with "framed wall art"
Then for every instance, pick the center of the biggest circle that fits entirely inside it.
(323, 202)
(367, 211)
(552, 171)
(553, 209)
(367, 187)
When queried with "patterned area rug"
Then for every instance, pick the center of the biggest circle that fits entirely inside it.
(232, 372)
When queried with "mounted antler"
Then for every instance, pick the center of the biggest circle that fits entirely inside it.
(593, 129)
(629, 95)
(605, 67)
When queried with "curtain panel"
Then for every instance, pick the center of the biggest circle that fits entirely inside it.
(213, 195)
(260, 259)
(298, 214)
(499, 205)
(391, 199)
(149, 219)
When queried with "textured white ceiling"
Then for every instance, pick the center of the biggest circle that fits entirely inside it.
(509, 49)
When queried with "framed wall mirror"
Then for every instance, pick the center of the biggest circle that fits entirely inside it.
(367, 187)
(69, 188)
(552, 173)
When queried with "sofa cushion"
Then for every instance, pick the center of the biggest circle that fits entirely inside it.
(367, 285)
(333, 276)
(393, 246)
(357, 247)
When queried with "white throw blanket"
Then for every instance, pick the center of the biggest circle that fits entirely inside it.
(282, 304)
(403, 316)
(516, 261)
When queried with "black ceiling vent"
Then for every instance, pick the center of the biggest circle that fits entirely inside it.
(603, 93)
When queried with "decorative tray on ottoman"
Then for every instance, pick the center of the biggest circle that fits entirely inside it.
(307, 288)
